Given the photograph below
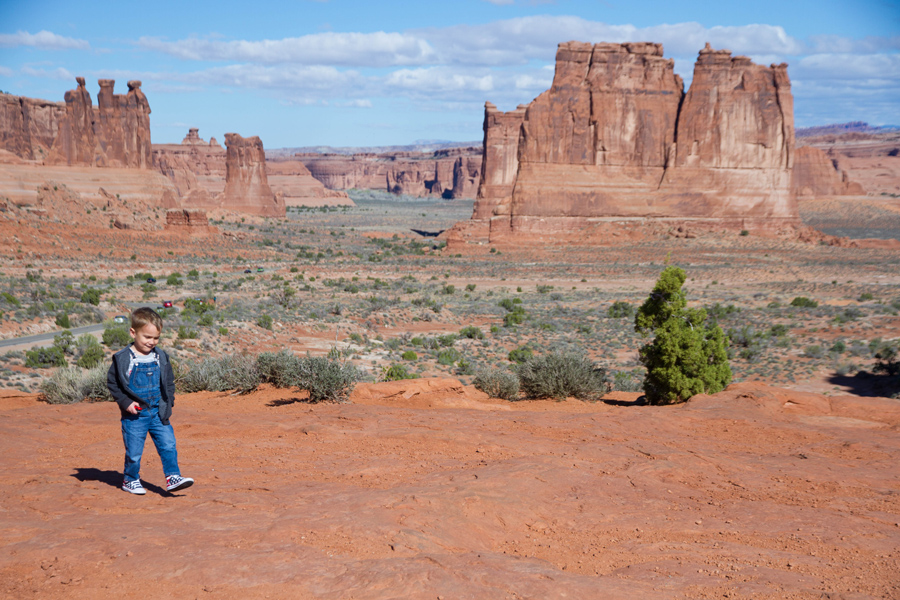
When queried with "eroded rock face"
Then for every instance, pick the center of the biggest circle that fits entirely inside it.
(246, 185)
(28, 126)
(815, 175)
(451, 173)
(615, 137)
(114, 134)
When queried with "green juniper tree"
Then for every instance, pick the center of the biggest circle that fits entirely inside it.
(687, 356)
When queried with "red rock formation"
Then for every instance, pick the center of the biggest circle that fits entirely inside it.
(615, 137)
(410, 173)
(466, 175)
(816, 175)
(28, 126)
(75, 144)
(114, 134)
(246, 185)
(500, 160)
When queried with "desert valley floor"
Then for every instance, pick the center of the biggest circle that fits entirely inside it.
(785, 485)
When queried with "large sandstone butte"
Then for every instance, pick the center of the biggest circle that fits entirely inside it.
(246, 185)
(114, 134)
(815, 174)
(616, 139)
(28, 126)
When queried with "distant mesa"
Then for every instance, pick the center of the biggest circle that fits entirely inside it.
(615, 141)
(444, 173)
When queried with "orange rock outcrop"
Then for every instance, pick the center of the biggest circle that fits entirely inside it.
(615, 138)
(451, 173)
(114, 134)
(246, 185)
(28, 126)
(815, 175)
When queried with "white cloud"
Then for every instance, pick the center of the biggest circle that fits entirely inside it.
(281, 77)
(439, 80)
(379, 49)
(850, 67)
(5, 71)
(359, 104)
(44, 40)
(57, 73)
(520, 40)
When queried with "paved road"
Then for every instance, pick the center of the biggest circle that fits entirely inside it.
(46, 339)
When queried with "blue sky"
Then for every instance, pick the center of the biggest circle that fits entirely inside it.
(363, 73)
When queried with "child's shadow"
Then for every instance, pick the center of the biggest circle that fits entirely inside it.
(114, 479)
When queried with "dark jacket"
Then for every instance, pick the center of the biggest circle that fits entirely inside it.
(117, 382)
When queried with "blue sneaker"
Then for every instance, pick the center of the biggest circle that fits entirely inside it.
(177, 482)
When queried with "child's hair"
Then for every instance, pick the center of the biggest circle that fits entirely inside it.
(145, 316)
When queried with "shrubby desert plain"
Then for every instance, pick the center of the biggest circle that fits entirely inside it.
(420, 285)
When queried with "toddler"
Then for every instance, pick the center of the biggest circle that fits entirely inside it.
(141, 381)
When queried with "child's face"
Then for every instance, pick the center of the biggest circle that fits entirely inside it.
(145, 338)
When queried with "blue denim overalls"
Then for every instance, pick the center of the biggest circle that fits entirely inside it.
(144, 381)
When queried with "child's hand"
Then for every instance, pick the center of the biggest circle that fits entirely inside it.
(134, 409)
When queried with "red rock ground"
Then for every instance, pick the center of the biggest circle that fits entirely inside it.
(428, 489)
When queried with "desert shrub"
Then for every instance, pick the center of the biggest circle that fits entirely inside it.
(409, 355)
(116, 337)
(448, 357)
(620, 310)
(265, 321)
(717, 312)
(687, 356)
(396, 373)
(543, 289)
(839, 347)
(470, 287)
(471, 332)
(627, 381)
(91, 357)
(521, 354)
(562, 374)
(65, 341)
(327, 380)
(71, 385)
(497, 383)
(888, 362)
(11, 299)
(510, 303)
(43, 358)
(814, 351)
(778, 330)
(516, 317)
(186, 333)
(198, 306)
(174, 279)
(62, 320)
(206, 320)
(91, 296)
(866, 296)
(851, 313)
(230, 372)
(447, 340)
(804, 302)
(281, 368)
(448, 289)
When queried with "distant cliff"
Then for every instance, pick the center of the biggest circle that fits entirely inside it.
(447, 173)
